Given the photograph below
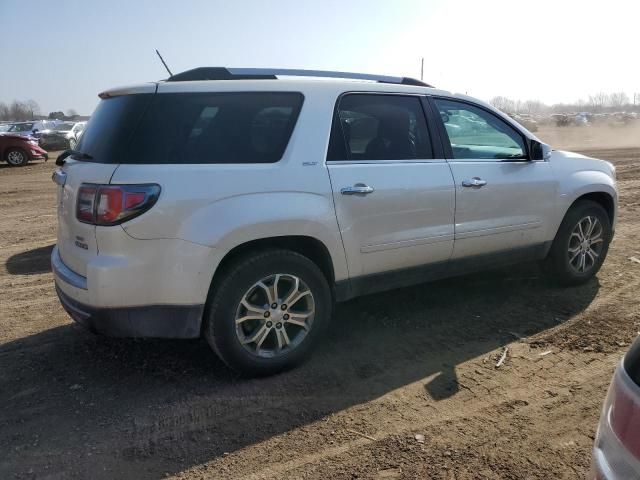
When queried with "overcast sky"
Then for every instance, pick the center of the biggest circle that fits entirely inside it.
(62, 53)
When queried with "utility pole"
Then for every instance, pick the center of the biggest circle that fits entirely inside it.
(422, 70)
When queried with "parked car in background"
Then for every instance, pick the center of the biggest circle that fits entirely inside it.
(240, 207)
(527, 121)
(581, 119)
(18, 150)
(561, 119)
(56, 137)
(616, 453)
(74, 134)
(33, 128)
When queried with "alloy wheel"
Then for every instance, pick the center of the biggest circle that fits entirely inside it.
(275, 315)
(585, 244)
(15, 157)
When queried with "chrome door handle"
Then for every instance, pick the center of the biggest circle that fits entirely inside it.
(59, 177)
(357, 189)
(475, 182)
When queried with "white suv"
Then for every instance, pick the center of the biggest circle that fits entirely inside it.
(239, 205)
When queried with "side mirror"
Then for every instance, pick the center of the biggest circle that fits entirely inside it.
(539, 150)
(444, 116)
(35, 130)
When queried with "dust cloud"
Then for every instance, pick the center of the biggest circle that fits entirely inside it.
(591, 136)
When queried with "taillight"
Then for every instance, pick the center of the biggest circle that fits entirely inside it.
(86, 199)
(616, 453)
(114, 204)
(625, 412)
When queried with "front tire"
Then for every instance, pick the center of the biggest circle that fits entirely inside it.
(17, 157)
(268, 312)
(72, 143)
(581, 244)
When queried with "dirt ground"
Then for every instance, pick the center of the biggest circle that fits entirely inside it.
(419, 360)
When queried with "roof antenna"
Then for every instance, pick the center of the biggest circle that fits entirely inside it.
(164, 63)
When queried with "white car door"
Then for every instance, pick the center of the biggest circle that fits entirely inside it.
(394, 198)
(504, 200)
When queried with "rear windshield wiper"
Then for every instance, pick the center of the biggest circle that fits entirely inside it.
(77, 154)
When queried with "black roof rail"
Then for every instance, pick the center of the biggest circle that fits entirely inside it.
(222, 73)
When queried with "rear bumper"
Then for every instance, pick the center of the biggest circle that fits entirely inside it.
(158, 321)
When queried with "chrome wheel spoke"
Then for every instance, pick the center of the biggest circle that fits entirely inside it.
(249, 317)
(596, 240)
(252, 309)
(275, 288)
(580, 231)
(282, 337)
(575, 255)
(298, 296)
(300, 319)
(588, 227)
(576, 235)
(262, 338)
(259, 335)
(268, 291)
(295, 289)
(300, 323)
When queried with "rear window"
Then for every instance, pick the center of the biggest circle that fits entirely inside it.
(192, 128)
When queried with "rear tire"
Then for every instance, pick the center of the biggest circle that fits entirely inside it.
(581, 244)
(16, 157)
(248, 322)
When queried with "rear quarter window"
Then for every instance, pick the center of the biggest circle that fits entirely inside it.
(194, 128)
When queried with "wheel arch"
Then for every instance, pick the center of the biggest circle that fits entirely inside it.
(310, 247)
(602, 198)
(6, 151)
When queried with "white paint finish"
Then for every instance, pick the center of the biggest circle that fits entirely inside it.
(169, 254)
(70, 229)
(406, 221)
(512, 210)
(226, 205)
(131, 273)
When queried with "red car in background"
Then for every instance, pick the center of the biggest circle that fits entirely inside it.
(17, 150)
(616, 453)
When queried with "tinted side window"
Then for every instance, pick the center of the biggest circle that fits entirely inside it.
(215, 128)
(174, 128)
(477, 134)
(379, 127)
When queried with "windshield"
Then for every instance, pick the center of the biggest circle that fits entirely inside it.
(63, 127)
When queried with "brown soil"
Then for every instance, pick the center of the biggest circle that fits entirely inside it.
(419, 360)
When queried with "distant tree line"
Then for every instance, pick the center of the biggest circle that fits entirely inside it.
(20, 111)
(598, 103)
